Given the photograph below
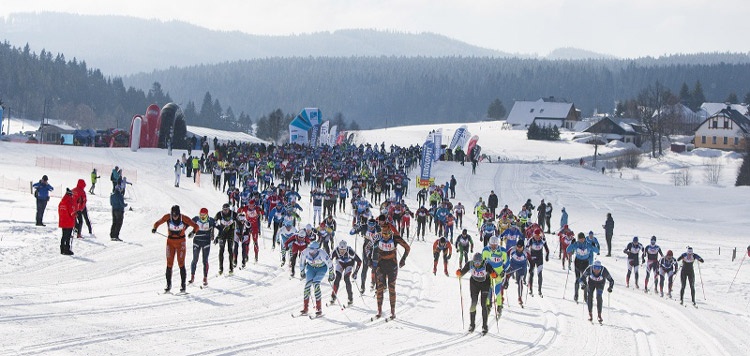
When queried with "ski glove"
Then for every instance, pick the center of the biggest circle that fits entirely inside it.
(302, 274)
(216, 241)
(402, 263)
(331, 277)
(458, 273)
(609, 290)
(547, 259)
(153, 231)
(583, 286)
(191, 234)
(493, 275)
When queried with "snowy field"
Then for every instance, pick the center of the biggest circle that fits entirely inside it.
(106, 299)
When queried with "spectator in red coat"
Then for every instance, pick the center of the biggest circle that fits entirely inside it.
(79, 201)
(67, 212)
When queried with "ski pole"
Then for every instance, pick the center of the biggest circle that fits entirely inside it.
(461, 293)
(701, 277)
(735, 275)
(566, 283)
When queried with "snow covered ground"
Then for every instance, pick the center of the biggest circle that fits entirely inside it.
(106, 299)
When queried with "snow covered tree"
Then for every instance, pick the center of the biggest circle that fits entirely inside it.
(496, 110)
(743, 177)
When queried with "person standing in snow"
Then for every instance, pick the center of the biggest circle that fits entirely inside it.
(79, 199)
(563, 218)
(177, 172)
(177, 223)
(609, 230)
(453, 187)
(94, 177)
(41, 192)
(687, 274)
(548, 216)
(117, 201)
(114, 177)
(66, 210)
(492, 202)
(592, 281)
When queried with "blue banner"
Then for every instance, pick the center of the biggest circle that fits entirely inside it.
(428, 153)
(460, 137)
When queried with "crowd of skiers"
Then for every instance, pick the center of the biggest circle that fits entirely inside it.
(262, 185)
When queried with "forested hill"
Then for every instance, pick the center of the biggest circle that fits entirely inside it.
(425, 90)
(120, 45)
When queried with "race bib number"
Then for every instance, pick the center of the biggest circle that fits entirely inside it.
(387, 246)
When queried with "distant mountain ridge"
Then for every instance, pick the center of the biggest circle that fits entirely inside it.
(180, 44)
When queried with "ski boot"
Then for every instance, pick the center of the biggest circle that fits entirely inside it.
(520, 301)
(499, 311)
(434, 271)
(485, 329)
(205, 281)
(168, 275)
(393, 314)
(540, 293)
(350, 302)
(318, 308)
(221, 271)
(304, 307)
(333, 299)
(599, 318)
(192, 279)
(471, 328)
(591, 317)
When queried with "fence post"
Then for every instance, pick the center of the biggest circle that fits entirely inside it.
(734, 254)
(719, 250)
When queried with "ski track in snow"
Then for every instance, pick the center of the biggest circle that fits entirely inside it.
(105, 299)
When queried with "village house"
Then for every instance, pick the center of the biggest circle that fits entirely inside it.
(543, 112)
(618, 129)
(727, 129)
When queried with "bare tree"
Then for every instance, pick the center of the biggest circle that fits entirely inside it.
(712, 171)
(651, 103)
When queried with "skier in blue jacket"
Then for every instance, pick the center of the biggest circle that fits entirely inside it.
(584, 250)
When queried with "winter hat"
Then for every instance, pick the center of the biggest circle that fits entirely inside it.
(591, 233)
(45, 178)
(563, 209)
(653, 238)
(68, 191)
(519, 243)
(175, 210)
(669, 253)
(204, 211)
(597, 264)
(635, 238)
(581, 235)
(690, 249)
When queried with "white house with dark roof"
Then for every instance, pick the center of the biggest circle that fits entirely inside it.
(727, 129)
(544, 113)
(708, 109)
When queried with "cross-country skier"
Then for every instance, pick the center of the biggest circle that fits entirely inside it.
(633, 250)
(497, 257)
(583, 249)
(386, 267)
(519, 262)
(441, 245)
(465, 245)
(422, 214)
(534, 246)
(225, 221)
(688, 273)
(479, 288)
(313, 265)
(202, 243)
(566, 237)
(299, 243)
(650, 258)
(592, 281)
(346, 259)
(283, 236)
(369, 231)
(512, 235)
(488, 230)
(667, 269)
(177, 223)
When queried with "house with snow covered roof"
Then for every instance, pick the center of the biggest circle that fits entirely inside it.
(727, 129)
(618, 129)
(708, 109)
(543, 112)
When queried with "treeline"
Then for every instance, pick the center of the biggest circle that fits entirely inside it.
(34, 86)
(381, 91)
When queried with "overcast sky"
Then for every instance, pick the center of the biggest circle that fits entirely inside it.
(624, 28)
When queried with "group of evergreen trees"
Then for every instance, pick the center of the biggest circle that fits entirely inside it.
(46, 85)
(546, 133)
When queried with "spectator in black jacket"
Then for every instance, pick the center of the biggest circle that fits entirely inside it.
(117, 200)
(609, 230)
(492, 202)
